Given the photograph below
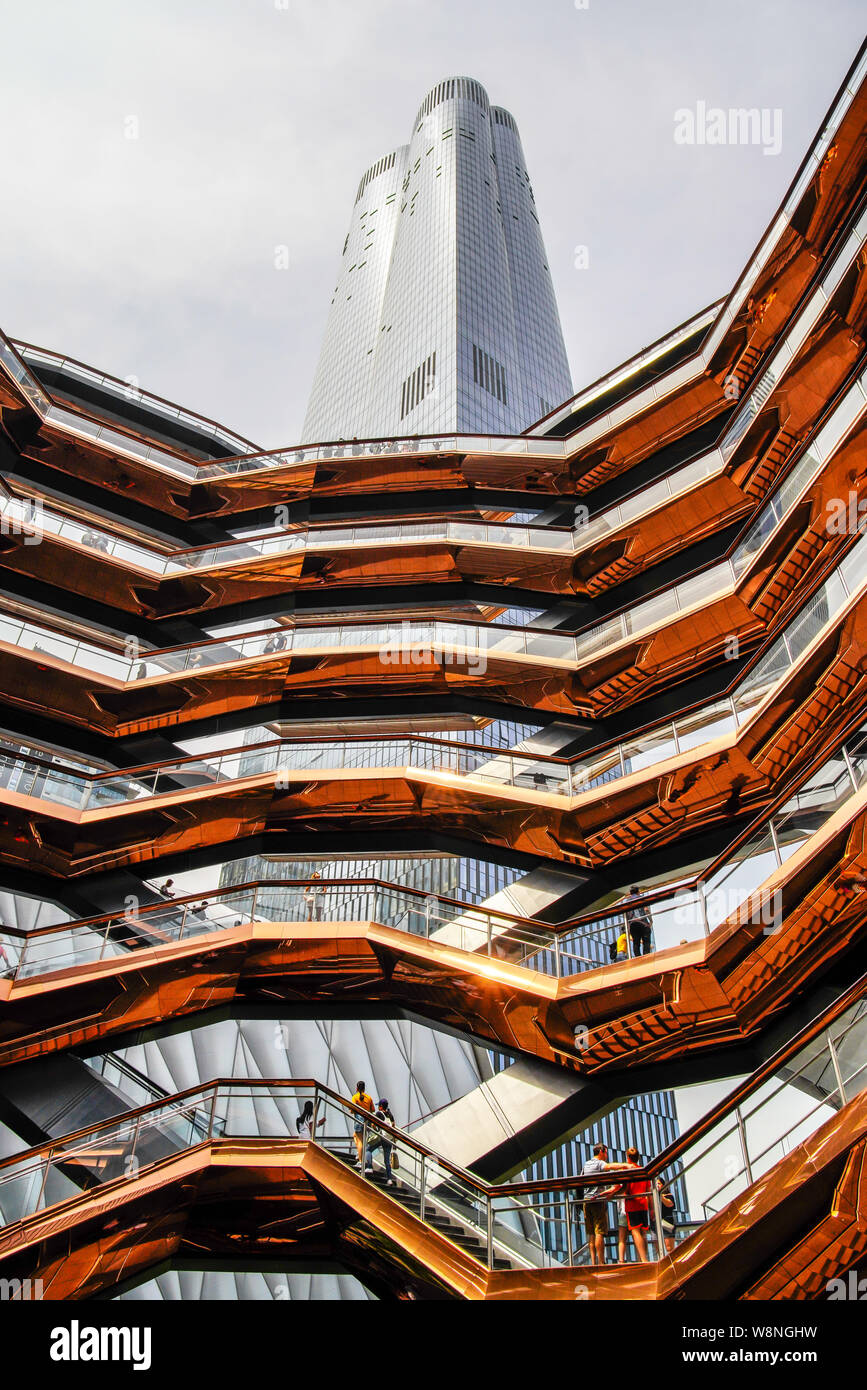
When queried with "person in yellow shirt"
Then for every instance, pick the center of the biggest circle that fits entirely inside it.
(622, 947)
(364, 1102)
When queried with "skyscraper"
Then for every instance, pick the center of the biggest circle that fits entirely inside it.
(444, 316)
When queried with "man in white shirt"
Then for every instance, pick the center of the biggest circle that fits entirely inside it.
(596, 1209)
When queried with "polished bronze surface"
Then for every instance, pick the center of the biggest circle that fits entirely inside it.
(347, 558)
(277, 1198)
(708, 993)
(732, 774)
(835, 1245)
(761, 456)
(485, 667)
(209, 681)
(241, 1217)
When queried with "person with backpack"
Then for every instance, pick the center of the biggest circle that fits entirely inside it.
(617, 949)
(364, 1102)
(382, 1141)
(639, 923)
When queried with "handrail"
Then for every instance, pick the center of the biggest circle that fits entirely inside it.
(249, 886)
(536, 941)
(656, 1167)
(841, 235)
(257, 1083)
(790, 1078)
(589, 917)
(753, 1083)
(594, 751)
(146, 543)
(61, 359)
(576, 638)
(427, 740)
(601, 914)
(600, 387)
(100, 1064)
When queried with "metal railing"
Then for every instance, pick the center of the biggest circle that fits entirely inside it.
(51, 779)
(448, 640)
(18, 517)
(457, 640)
(731, 888)
(523, 1224)
(18, 514)
(70, 367)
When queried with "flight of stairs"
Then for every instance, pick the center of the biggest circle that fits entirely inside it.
(434, 1216)
(763, 477)
(788, 575)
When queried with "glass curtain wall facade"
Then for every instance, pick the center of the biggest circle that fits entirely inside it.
(444, 316)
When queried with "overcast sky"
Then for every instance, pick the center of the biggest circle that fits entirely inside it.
(155, 256)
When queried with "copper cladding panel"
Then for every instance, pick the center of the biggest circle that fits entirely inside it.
(683, 521)
(780, 284)
(643, 808)
(707, 994)
(592, 688)
(269, 1197)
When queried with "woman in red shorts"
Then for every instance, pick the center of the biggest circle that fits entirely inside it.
(638, 1206)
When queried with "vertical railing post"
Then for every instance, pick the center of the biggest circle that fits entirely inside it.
(570, 1245)
(211, 1113)
(135, 1137)
(742, 1131)
(835, 1062)
(489, 1243)
(703, 900)
(847, 758)
(775, 842)
(657, 1219)
(421, 1186)
(45, 1170)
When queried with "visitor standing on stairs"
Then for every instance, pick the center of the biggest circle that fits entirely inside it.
(305, 1121)
(382, 1141)
(313, 895)
(364, 1102)
(639, 922)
